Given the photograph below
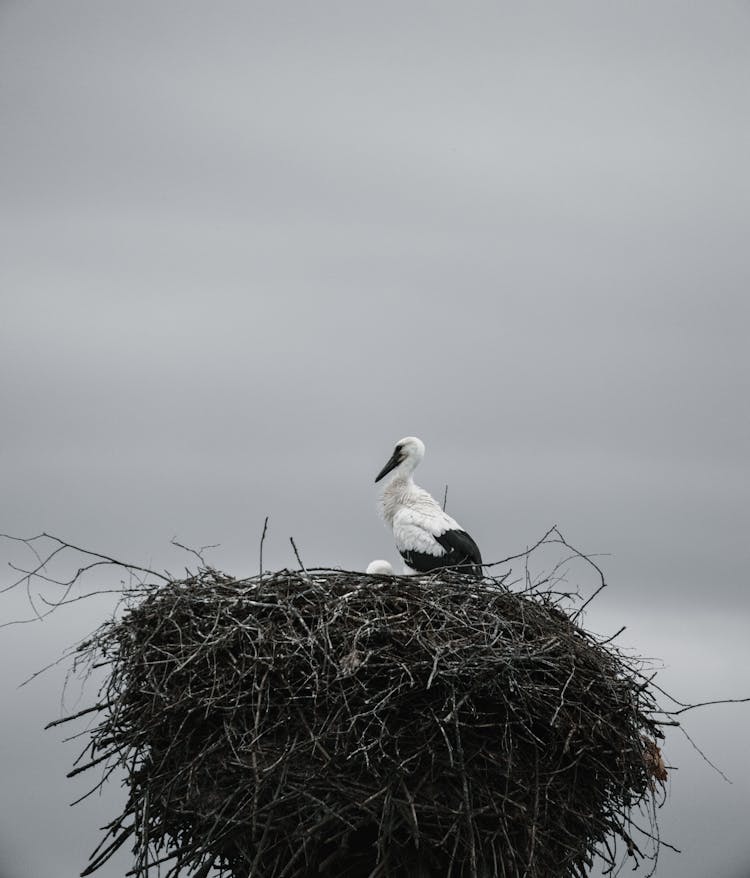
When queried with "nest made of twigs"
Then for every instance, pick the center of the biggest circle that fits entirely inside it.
(337, 724)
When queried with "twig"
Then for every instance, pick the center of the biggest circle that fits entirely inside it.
(262, 539)
(197, 552)
(296, 555)
(63, 544)
(687, 707)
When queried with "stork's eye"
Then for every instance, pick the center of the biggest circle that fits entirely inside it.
(398, 449)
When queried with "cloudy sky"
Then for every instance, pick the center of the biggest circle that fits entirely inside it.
(247, 246)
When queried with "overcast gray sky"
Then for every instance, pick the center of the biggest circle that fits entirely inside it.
(247, 246)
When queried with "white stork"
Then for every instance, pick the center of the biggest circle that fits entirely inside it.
(426, 536)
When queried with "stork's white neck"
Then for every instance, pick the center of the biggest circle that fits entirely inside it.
(401, 493)
(396, 492)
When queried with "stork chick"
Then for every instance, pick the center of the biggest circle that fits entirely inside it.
(380, 568)
(426, 537)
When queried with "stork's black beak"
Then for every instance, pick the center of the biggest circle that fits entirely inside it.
(393, 462)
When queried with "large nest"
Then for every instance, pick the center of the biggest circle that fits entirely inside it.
(338, 724)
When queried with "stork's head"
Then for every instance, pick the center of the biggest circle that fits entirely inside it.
(405, 458)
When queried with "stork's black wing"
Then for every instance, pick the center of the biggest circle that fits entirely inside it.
(462, 551)
(461, 554)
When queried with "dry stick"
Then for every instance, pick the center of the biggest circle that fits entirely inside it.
(445, 497)
(465, 785)
(197, 552)
(648, 681)
(63, 544)
(259, 848)
(703, 704)
(296, 554)
(703, 755)
(205, 868)
(36, 674)
(615, 635)
(29, 575)
(262, 538)
(99, 786)
(591, 597)
(180, 852)
(109, 851)
(42, 562)
(525, 554)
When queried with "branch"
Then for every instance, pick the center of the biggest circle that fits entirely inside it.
(41, 572)
(197, 552)
(262, 540)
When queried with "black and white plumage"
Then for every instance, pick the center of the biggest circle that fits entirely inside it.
(426, 537)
